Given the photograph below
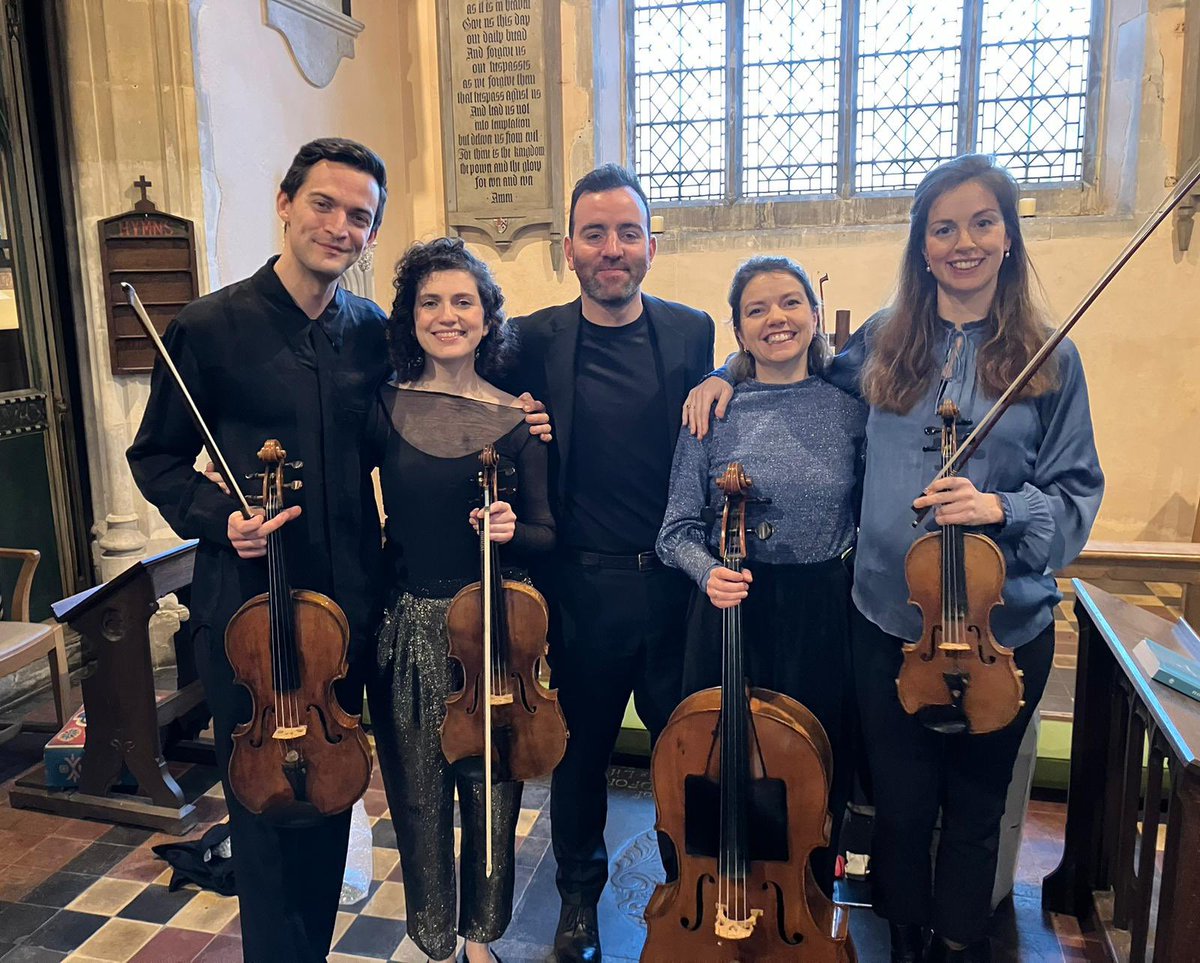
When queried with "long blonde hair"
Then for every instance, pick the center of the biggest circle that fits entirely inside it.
(903, 359)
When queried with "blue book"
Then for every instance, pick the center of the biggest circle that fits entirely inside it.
(1180, 672)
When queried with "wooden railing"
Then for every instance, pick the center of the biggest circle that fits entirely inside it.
(1126, 731)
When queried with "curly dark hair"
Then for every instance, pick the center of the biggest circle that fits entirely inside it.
(496, 350)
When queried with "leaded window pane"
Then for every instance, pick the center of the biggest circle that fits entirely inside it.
(790, 96)
(1033, 86)
(679, 95)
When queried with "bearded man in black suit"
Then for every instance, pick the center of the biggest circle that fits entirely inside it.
(613, 367)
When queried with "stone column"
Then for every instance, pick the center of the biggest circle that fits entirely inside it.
(132, 101)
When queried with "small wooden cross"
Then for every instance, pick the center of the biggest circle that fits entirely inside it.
(145, 204)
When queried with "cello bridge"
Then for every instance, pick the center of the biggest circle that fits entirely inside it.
(289, 732)
(728, 929)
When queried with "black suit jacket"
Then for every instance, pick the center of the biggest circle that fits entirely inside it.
(683, 339)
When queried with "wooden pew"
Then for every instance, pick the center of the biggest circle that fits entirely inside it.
(1126, 731)
(123, 718)
(1145, 562)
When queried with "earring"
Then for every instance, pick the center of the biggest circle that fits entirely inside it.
(927, 268)
(1008, 252)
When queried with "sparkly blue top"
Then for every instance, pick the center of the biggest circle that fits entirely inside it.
(1040, 458)
(800, 445)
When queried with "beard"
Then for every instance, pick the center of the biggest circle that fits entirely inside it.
(609, 294)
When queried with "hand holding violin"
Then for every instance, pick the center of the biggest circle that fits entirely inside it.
(248, 536)
(959, 502)
(503, 525)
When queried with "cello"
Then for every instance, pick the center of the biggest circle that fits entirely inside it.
(741, 786)
(502, 714)
(957, 678)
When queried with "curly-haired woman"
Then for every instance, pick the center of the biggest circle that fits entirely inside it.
(447, 335)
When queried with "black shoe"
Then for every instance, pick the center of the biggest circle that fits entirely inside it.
(577, 939)
(909, 941)
(978, 952)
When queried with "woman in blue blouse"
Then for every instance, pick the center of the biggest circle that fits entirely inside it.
(799, 439)
(964, 322)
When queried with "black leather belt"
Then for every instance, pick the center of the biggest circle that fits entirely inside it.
(642, 562)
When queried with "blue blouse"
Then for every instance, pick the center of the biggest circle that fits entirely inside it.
(1040, 458)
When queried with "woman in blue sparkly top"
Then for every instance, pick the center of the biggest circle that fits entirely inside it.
(799, 439)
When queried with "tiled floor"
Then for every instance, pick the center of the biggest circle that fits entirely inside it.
(82, 890)
(86, 891)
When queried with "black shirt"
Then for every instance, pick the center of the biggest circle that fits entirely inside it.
(432, 548)
(620, 457)
(258, 367)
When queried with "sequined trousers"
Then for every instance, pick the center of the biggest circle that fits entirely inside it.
(407, 699)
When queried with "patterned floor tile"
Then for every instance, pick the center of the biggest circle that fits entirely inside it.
(17, 881)
(157, 904)
(54, 851)
(118, 940)
(387, 902)
(58, 889)
(98, 859)
(385, 861)
(32, 954)
(222, 949)
(19, 920)
(14, 845)
(66, 930)
(371, 936)
(207, 912)
(172, 945)
(106, 896)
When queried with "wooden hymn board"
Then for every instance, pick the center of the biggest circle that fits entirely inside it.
(156, 253)
(500, 68)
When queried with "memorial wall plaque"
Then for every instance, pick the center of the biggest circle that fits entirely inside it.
(502, 116)
(156, 253)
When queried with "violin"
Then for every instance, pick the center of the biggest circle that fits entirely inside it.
(741, 786)
(301, 755)
(497, 630)
(957, 678)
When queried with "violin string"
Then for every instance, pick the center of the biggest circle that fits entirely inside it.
(275, 620)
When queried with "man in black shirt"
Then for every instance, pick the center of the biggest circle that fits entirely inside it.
(283, 354)
(613, 367)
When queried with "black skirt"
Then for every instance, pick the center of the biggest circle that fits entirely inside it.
(796, 634)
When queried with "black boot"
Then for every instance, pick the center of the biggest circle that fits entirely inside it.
(577, 939)
(978, 952)
(908, 942)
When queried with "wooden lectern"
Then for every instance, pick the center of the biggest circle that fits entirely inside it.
(123, 719)
(1128, 731)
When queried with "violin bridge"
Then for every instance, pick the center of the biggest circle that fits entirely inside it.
(954, 647)
(502, 700)
(727, 929)
(289, 732)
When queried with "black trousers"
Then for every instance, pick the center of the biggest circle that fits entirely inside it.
(916, 772)
(615, 632)
(796, 635)
(289, 880)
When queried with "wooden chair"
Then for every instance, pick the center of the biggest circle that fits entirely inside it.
(23, 642)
